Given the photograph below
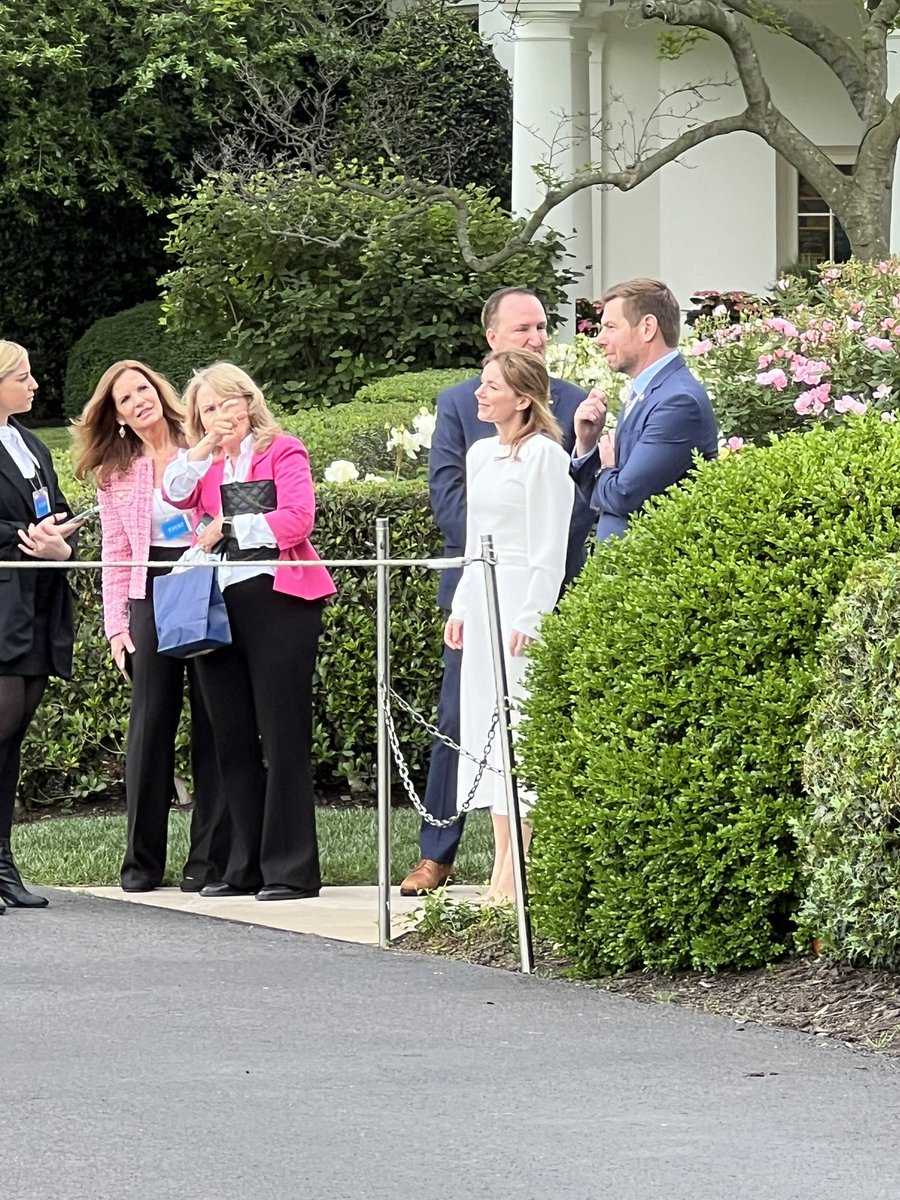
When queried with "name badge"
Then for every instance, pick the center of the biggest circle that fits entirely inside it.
(40, 498)
(176, 526)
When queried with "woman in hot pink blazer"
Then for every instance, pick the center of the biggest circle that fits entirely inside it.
(130, 429)
(259, 689)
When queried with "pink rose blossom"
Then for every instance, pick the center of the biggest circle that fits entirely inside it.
(776, 379)
(763, 361)
(850, 404)
(856, 307)
(699, 348)
(884, 268)
(831, 275)
(888, 323)
(803, 405)
(734, 443)
(882, 391)
(875, 343)
(853, 325)
(808, 370)
(828, 326)
(888, 416)
(780, 325)
(819, 396)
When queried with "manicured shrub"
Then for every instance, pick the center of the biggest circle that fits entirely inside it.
(670, 700)
(134, 333)
(76, 744)
(419, 388)
(355, 431)
(320, 289)
(849, 836)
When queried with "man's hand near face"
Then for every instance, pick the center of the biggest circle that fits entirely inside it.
(590, 417)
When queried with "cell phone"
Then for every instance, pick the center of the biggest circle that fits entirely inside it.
(83, 516)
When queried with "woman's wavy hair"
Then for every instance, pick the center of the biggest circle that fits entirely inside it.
(11, 354)
(526, 373)
(100, 450)
(231, 382)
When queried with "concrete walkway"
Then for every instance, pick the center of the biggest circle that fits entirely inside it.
(348, 914)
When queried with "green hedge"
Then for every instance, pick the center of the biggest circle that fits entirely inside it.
(666, 727)
(134, 333)
(75, 746)
(356, 431)
(850, 836)
(419, 388)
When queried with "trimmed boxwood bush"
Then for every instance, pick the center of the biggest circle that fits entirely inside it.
(134, 333)
(850, 836)
(76, 743)
(356, 431)
(414, 387)
(670, 698)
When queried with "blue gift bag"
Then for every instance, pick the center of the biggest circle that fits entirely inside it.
(190, 613)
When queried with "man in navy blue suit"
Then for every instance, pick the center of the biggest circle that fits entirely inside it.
(512, 318)
(666, 418)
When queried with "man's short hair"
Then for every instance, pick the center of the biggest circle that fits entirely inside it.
(495, 299)
(648, 298)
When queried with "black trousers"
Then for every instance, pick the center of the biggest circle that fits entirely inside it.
(157, 693)
(441, 845)
(258, 692)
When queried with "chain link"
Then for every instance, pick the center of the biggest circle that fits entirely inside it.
(403, 771)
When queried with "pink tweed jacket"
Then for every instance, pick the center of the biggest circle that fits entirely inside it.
(287, 463)
(126, 504)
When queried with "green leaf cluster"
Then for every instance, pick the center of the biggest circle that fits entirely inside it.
(75, 746)
(321, 285)
(849, 835)
(670, 697)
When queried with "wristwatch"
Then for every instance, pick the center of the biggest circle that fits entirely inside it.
(227, 527)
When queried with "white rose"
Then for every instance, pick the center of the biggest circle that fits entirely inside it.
(341, 471)
(402, 439)
(423, 424)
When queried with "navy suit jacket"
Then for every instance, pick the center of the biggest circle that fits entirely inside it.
(457, 428)
(655, 446)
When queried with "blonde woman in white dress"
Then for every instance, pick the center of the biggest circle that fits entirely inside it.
(519, 491)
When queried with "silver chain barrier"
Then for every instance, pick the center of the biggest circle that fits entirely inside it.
(386, 695)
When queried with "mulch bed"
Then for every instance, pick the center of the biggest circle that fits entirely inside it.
(858, 1007)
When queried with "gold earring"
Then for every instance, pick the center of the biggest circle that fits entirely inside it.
(121, 431)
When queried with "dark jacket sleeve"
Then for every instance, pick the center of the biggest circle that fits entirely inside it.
(447, 471)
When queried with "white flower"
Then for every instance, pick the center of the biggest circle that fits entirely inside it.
(720, 311)
(341, 471)
(402, 439)
(423, 424)
(370, 478)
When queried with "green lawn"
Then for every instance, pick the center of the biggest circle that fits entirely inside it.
(57, 437)
(72, 851)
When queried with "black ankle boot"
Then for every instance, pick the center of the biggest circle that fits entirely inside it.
(12, 890)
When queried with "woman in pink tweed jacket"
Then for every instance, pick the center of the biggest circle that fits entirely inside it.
(253, 482)
(130, 429)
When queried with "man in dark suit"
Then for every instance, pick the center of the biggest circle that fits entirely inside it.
(666, 418)
(512, 318)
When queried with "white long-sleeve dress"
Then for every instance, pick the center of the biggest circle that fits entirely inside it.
(525, 503)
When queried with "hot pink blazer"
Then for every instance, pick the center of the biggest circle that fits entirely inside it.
(287, 462)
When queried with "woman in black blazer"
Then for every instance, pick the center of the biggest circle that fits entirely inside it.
(35, 606)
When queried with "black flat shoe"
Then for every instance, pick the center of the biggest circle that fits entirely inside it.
(138, 887)
(189, 884)
(276, 891)
(219, 891)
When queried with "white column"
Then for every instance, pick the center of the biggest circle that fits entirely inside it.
(596, 106)
(543, 106)
(582, 242)
(893, 87)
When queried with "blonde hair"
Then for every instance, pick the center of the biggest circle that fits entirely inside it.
(526, 374)
(231, 382)
(100, 447)
(11, 354)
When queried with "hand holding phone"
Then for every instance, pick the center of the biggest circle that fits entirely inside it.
(83, 516)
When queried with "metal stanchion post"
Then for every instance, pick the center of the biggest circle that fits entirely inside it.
(383, 642)
(517, 850)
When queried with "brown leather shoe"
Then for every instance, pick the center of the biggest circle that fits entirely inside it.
(425, 876)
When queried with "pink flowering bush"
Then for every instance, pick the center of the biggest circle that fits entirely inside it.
(832, 350)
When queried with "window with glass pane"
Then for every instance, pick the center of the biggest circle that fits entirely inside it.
(820, 235)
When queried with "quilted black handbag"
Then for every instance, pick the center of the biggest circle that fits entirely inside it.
(252, 496)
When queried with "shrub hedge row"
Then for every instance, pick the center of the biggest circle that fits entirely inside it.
(850, 835)
(670, 698)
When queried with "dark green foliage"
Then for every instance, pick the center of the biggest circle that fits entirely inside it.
(419, 388)
(670, 703)
(850, 835)
(431, 98)
(321, 289)
(75, 746)
(66, 267)
(134, 333)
